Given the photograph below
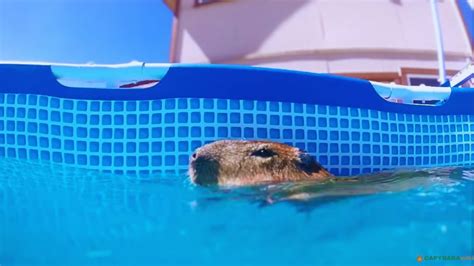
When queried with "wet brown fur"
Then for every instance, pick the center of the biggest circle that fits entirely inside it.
(237, 163)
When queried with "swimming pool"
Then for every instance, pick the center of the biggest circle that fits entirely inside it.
(348, 124)
(52, 214)
(116, 192)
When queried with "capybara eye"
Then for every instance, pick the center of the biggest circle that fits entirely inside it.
(265, 153)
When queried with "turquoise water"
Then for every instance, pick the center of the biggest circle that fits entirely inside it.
(51, 214)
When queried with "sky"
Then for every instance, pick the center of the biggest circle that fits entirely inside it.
(467, 9)
(85, 31)
(98, 31)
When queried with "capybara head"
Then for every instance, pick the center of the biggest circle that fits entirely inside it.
(239, 162)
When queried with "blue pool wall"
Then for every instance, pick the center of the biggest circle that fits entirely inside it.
(343, 122)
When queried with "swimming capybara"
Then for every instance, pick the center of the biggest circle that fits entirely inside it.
(241, 162)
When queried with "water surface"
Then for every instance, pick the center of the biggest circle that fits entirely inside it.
(51, 214)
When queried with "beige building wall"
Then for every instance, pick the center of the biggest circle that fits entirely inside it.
(382, 39)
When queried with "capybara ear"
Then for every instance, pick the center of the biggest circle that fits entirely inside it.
(308, 164)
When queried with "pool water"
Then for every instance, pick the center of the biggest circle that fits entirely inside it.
(52, 214)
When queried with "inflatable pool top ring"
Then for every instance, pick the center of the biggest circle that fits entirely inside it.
(146, 118)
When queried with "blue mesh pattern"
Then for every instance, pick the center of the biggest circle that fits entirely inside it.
(159, 135)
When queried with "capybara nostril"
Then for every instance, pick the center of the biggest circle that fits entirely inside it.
(204, 170)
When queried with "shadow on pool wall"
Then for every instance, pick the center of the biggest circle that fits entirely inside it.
(343, 122)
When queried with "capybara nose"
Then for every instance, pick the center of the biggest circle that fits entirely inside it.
(204, 170)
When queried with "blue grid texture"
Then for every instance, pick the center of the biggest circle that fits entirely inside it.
(159, 135)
